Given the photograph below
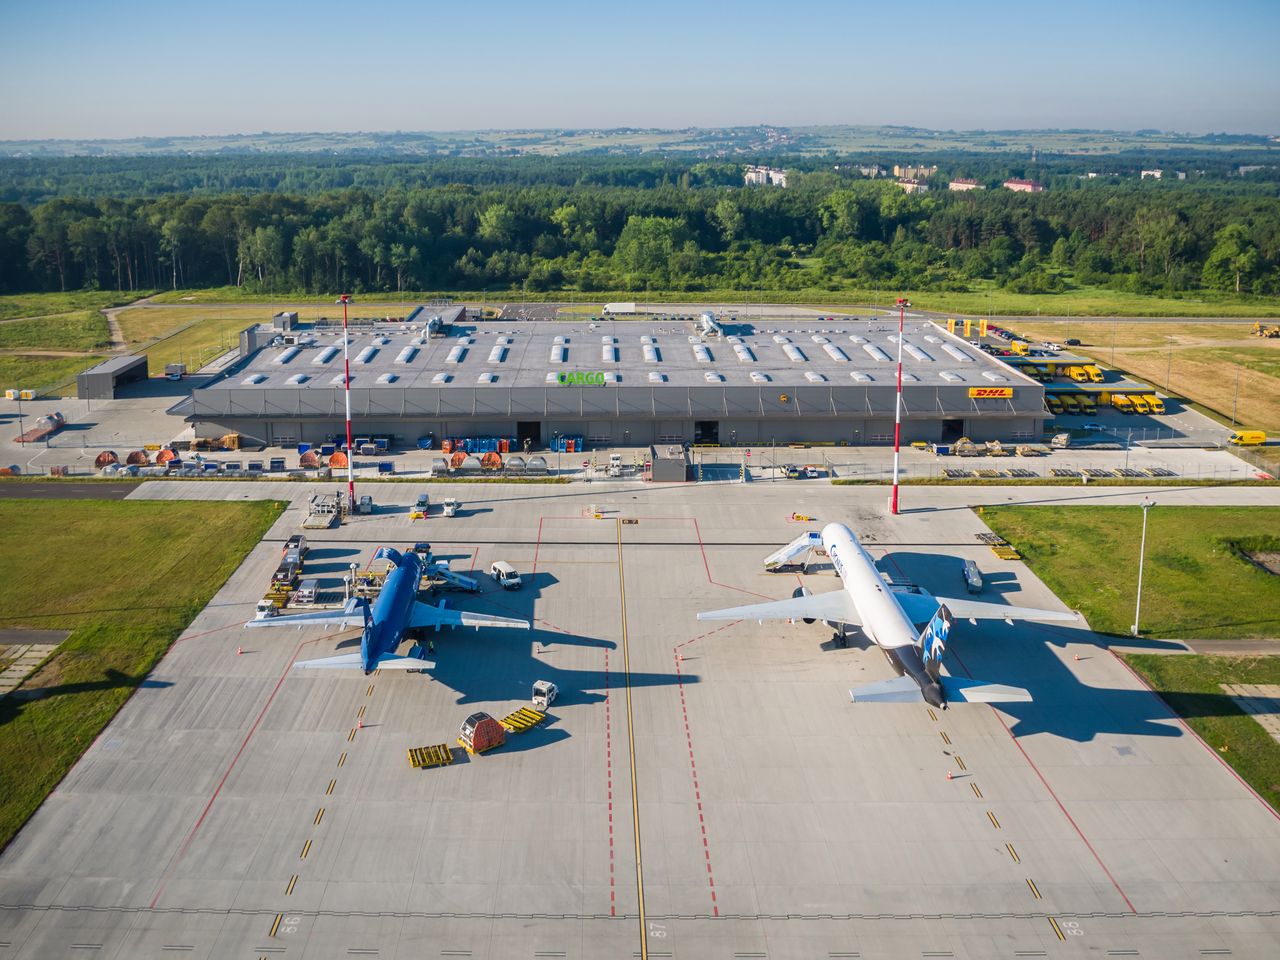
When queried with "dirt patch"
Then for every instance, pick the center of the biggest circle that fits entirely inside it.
(1268, 560)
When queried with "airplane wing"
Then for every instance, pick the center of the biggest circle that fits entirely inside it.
(352, 661)
(975, 691)
(835, 606)
(425, 615)
(921, 606)
(957, 689)
(894, 690)
(349, 617)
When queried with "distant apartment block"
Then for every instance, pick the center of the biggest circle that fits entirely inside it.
(1024, 186)
(764, 177)
(911, 185)
(872, 171)
(914, 173)
(1151, 175)
(965, 183)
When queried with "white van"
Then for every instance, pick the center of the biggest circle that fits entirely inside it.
(505, 575)
(306, 592)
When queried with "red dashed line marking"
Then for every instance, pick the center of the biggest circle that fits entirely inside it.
(697, 790)
(709, 633)
(608, 766)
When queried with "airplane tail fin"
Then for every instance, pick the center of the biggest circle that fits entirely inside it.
(933, 642)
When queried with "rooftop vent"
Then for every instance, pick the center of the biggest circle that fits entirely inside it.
(861, 377)
(559, 353)
(656, 377)
(298, 379)
(793, 353)
(487, 378)
(406, 355)
(951, 377)
(284, 356)
(608, 353)
(713, 377)
(875, 353)
(442, 378)
(497, 354)
(916, 352)
(650, 353)
(389, 378)
(253, 378)
(701, 353)
(956, 352)
(325, 356)
(813, 377)
(995, 377)
(339, 380)
(367, 354)
(758, 377)
(835, 353)
(456, 354)
(744, 353)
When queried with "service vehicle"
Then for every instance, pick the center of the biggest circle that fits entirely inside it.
(294, 557)
(1095, 373)
(504, 574)
(972, 577)
(1069, 404)
(306, 592)
(544, 694)
(1053, 403)
(1078, 374)
(1156, 404)
(366, 504)
(450, 505)
(296, 543)
(1140, 404)
(422, 549)
(1248, 438)
(266, 608)
(422, 504)
(175, 371)
(286, 573)
(615, 464)
(1122, 402)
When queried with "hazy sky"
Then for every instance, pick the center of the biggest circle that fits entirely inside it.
(89, 68)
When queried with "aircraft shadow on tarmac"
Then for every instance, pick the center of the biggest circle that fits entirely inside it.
(1021, 655)
(335, 554)
(11, 705)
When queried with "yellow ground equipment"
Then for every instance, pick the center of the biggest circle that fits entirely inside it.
(423, 758)
(523, 719)
(1262, 330)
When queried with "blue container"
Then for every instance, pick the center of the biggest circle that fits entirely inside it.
(303, 447)
(386, 466)
(211, 466)
(381, 443)
(327, 449)
(427, 442)
(277, 463)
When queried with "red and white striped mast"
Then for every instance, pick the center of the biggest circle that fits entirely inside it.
(346, 390)
(897, 409)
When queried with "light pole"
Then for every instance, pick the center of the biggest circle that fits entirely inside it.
(1147, 504)
(897, 409)
(556, 439)
(1235, 400)
(346, 384)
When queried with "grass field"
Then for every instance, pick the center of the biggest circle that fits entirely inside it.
(42, 374)
(84, 331)
(1195, 585)
(48, 304)
(985, 299)
(154, 566)
(1191, 685)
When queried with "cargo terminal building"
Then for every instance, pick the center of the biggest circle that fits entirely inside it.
(624, 383)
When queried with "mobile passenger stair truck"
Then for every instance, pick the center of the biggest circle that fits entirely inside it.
(795, 555)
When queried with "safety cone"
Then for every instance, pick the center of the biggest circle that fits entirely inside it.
(239, 651)
(949, 777)
(1077, 656)
(359, 724)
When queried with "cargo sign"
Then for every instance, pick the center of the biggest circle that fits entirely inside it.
(580, 378)
(990, 393)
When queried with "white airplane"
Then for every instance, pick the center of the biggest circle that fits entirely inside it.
(889, 617)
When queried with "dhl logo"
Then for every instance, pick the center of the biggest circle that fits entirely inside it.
(990, 393)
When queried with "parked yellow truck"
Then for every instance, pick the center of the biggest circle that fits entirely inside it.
(1121, 402)
(1248, 438)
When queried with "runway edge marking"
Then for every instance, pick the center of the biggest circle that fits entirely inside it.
(631, 748)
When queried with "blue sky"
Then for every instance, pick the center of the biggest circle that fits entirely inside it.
(87, 68)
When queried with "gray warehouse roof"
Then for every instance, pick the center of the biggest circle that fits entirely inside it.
(115, 364)
(627, 353)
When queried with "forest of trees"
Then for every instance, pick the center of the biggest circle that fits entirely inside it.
(591, 224)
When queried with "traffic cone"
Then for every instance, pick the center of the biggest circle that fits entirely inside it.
(359, 724)
(239, 651)
(949, 777)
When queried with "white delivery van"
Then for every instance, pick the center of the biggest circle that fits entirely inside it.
(306, 592)
(504, 574)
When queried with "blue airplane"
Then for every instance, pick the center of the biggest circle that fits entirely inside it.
(384, 622)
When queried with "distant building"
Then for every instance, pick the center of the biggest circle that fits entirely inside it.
(914, 173)
(1151, 175)
(764, 177)
(1180, 174)
(1091, 175)
(964, 183)
(912, 186)
(1249, 168)
(871, 171)
(1023, 186)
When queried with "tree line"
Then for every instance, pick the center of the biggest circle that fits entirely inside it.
(579, 224)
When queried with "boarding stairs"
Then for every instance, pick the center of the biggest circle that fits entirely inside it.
(796, 553)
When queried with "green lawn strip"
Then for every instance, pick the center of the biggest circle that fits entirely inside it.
(1191, 685)
(84, 330)
(44, 304)
(1195, 585)
(984, 299)
(42, 374)
(145, 569)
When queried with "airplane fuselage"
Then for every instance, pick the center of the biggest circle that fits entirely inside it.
(882, 617)
(391, 612)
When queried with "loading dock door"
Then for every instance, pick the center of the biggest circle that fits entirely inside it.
(706, 431)
(530, 430)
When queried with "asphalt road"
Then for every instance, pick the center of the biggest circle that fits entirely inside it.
(65, 490)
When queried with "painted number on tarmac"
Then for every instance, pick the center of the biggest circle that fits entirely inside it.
(657, 930)
(290, 924)
(1071, 928)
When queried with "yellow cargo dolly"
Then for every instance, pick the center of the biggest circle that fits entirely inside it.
(526, 718)
(1006, 553)
(437, 755)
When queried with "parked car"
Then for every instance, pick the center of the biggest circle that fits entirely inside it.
(504, 575)
(296, 543)
(1092, 427)
(1072, 343)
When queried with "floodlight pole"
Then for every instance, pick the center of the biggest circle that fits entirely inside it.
(897, 409)
(1147, 504)
(346, 390)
